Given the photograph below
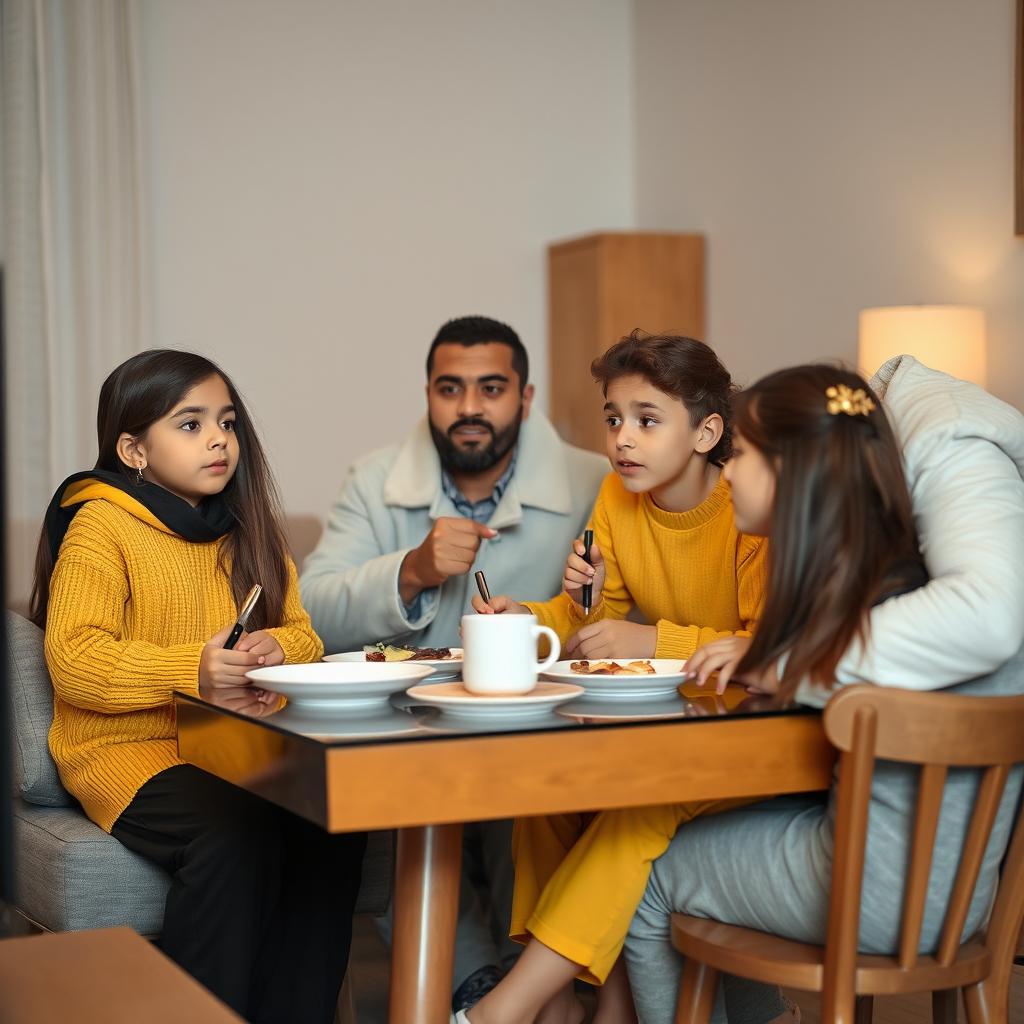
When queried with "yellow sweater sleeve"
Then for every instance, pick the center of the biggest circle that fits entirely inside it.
(675, 641)
(560, 614)
(90, 664)
(563, 614)
(295, 634)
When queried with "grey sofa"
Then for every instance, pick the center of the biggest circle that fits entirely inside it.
(71, 875)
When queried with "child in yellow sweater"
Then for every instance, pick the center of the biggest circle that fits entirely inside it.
(665, 543)
(143, 562)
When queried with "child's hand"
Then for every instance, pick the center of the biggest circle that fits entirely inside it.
(269, 652)
(264, 646)
(766, 682)
(721, 656)
(613, 638)
(222, 676)
(577, 572)
(500, 605)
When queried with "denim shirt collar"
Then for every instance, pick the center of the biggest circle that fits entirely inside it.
(482, 510)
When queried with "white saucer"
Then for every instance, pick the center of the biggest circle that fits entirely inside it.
(456, 701)
(668, 674)
(337, 689)
(437, 721)
(444, 668)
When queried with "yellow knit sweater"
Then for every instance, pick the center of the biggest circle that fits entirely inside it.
(691, 573)
(131, 607)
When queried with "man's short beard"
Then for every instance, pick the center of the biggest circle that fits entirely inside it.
(480, 458)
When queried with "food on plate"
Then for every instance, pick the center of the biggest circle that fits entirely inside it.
(396, 652)
(613, 668)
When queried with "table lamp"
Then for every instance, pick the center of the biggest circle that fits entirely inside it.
(947, 338)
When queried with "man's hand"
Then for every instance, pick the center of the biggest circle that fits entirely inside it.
(448, 550)
(613, 638)
(500, 605)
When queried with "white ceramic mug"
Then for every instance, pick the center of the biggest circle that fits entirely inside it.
(500, 653)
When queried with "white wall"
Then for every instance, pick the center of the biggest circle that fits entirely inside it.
(329, 182)
(838, 155)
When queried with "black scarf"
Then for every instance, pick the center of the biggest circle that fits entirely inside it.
(207, 522)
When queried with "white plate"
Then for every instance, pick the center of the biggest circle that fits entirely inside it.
(589, 710)
(444, 668)
(668, 674)
(456, 701)
(348, 724)
(334, 688)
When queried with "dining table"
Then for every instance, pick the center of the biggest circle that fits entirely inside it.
(425, 771)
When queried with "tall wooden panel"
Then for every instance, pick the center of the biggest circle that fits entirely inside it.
(600, 288)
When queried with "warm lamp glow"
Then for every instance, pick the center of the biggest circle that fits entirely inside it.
(947, 338)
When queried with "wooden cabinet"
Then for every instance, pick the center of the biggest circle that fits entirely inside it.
(601, 287)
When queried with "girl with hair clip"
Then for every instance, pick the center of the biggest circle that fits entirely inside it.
(142, 564)
(817, 469)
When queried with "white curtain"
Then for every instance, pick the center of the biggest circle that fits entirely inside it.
(73, 249)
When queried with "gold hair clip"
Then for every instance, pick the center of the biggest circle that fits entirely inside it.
(844, 399)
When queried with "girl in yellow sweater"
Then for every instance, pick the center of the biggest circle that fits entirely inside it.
(142, 564)
(665, 543)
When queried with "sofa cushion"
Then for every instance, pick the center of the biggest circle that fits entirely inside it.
(32, 709)
(72, 875)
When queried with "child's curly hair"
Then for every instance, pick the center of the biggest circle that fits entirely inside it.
(684, 368)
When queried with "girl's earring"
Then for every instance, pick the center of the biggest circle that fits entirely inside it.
(139, 478)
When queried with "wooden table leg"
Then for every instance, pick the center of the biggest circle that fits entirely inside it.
(426, 902)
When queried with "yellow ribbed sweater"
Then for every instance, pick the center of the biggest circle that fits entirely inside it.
(131, 607)
(691, 573)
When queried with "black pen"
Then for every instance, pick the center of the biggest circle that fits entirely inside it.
(481, 585)
(588, 588)
(243, 616)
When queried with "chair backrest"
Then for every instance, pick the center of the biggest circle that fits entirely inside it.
(936, 731)
(31, 696)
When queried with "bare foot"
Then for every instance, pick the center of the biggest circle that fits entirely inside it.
(562, 1011)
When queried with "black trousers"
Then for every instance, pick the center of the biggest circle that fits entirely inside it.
(260, 907)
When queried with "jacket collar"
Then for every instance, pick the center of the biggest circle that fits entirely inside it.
(540, 480)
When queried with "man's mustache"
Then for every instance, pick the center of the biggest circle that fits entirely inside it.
(471, 422)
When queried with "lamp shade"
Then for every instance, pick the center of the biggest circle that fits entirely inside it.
(947, 338)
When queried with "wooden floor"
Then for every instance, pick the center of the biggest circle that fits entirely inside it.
(915, 1009)
(369, 967)
(370, 977)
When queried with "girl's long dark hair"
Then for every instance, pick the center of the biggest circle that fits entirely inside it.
(841, 519)
(141, 391)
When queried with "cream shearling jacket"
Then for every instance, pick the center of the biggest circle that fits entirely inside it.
(387, 506)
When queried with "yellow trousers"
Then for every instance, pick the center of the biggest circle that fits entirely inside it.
(580, 877)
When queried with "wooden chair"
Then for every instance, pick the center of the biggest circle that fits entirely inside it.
(937, 731)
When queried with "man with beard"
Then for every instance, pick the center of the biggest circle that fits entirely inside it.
(482, 482)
